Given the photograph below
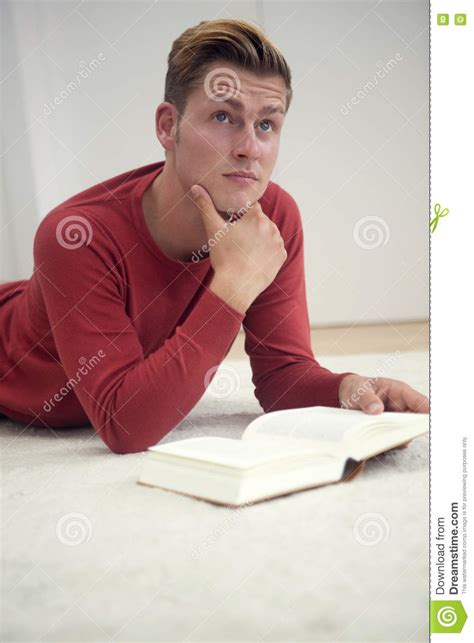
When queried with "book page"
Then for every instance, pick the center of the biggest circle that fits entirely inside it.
(388, 437)
(231, 453)
(326, 425)
(315, 423)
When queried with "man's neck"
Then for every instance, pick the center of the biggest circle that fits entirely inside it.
(173, 219)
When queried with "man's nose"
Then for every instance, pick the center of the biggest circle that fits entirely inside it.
(247, 144)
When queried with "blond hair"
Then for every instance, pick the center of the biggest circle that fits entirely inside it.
(225, 40)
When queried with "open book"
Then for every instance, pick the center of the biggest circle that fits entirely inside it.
(279, 453)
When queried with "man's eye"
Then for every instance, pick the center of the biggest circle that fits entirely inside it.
(220, 114)
(268, 123)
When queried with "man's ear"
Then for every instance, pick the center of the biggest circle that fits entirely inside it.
(166, 119)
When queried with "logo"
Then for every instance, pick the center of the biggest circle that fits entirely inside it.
(447, 617)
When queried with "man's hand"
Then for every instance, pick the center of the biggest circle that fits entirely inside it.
(373, 395)
(245, 255)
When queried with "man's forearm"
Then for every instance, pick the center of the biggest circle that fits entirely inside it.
(299, 384)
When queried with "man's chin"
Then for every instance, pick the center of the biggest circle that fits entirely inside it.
(237, 205)
(235, 213)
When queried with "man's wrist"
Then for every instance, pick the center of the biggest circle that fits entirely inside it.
(233, 294)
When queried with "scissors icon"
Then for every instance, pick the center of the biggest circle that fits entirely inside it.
(439, 214)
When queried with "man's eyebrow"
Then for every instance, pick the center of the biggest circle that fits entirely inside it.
(264, 111)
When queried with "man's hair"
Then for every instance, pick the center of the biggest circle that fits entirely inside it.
(234, 41)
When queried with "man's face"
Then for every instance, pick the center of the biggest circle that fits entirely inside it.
(232, 123)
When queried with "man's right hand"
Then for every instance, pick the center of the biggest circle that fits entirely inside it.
(246, 254)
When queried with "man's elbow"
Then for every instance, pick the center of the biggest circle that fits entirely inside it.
(124, 449)
(269, 402)
(123, 445)
(122, 441)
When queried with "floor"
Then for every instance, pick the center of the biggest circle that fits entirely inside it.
(89, 555)
(345, 340)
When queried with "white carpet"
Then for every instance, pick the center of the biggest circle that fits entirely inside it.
(89, 555)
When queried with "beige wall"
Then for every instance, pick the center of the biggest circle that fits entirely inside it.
(343, 168)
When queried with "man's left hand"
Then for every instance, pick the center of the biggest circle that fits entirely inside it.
(373, 395)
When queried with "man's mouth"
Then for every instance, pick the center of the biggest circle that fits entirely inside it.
(243, 178)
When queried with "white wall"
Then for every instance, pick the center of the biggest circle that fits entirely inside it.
(341, 168)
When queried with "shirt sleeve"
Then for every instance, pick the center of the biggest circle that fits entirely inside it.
(131, 400)
(277, 331)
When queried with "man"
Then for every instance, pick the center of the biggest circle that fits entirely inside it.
(142, 282)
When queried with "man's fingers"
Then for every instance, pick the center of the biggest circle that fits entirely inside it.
(415, 401)
(211, 218)
(386, 395)
(370, 403)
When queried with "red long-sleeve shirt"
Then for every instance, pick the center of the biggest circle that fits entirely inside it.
(110, 330)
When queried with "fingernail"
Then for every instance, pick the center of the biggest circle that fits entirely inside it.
(195, 191)
(374, 407)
